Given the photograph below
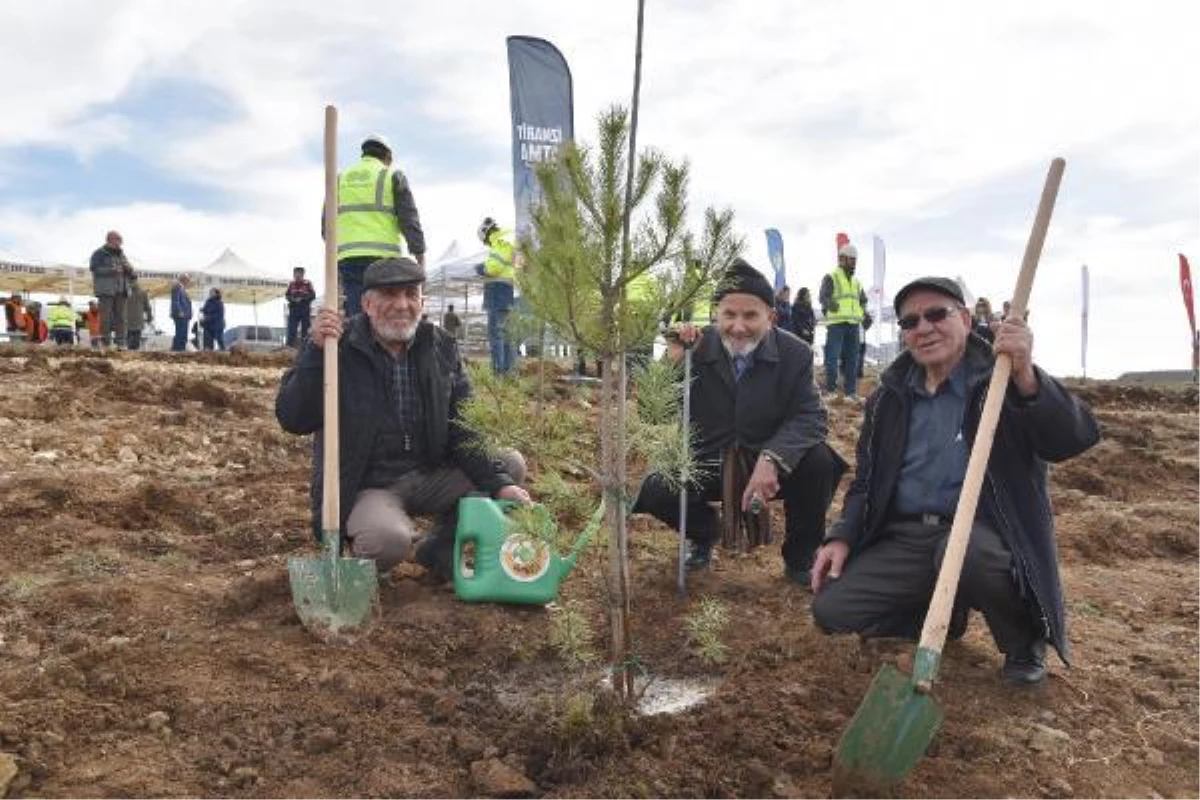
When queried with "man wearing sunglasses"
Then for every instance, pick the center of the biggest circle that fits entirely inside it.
(875, 573)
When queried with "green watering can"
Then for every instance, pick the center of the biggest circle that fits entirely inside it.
(510, 566)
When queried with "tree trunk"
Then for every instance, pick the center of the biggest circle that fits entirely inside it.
(612, 456)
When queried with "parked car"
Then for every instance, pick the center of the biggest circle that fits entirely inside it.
(255, 338)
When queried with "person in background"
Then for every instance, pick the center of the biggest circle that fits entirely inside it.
(983, 321)
(753, 388)
(804, 318)
(14, 309)
(377, 218)
(300, 296)
(181, 311)
(61, 319)
(875, 573)
(843, 304)
(451, 322)
(499, 273)
(111, 272)
(91, 321)
(138, 314)
(783, 308)
(212, 320)
(404, 450)
(32, 325)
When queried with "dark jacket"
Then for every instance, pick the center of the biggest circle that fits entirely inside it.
(363, 389)
(777, 408)
(783, 314)
(212, 314)
(1015, 496)
(804, 320)
(110, 272)
(181, 302)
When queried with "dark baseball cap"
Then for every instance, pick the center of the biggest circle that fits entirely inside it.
(393, 272)
(946, 286)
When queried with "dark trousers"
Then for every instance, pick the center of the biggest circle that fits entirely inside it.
(179, 341)
(350, 274)
(214, 338)
(297, 328)
(112, 318)
(885, 590)
(133, 339)
(63, 336)
(806, 492)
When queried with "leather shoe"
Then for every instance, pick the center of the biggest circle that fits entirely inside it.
(699, 556)
(1025, 666)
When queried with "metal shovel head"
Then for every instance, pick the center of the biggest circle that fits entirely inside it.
(333, 596)
(888, 735)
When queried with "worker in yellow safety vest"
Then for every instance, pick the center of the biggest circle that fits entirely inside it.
(843, 304)
(376, 218)
(499, 273)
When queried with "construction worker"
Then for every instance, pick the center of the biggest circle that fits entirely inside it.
(498, 273)
(376, 218)
(843, 303)
(14, 309)
(61, 318)
(91, 318)
(32, 324)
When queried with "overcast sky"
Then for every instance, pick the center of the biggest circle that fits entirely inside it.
(196, 125)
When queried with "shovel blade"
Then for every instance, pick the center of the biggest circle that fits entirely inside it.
(886, 738)
(329, 603)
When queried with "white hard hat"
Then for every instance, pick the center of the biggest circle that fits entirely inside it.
(848, 250)
(379, 139)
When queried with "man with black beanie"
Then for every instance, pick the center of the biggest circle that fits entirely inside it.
(753, 387)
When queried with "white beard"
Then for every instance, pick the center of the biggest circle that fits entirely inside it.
(742, 348)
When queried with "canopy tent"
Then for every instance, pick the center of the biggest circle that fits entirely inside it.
(238, 281)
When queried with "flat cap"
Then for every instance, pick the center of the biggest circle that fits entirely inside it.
(946, 286)
(401, 271)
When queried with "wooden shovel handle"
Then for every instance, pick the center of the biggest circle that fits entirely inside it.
(331, 491)
(933, 634)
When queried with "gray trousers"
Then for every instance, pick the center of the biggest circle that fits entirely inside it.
(380, 525)
(112, 318)
(885, 590)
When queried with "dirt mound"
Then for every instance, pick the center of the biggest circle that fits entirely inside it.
(150, 646)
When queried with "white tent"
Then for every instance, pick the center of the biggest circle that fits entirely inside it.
(239, 281)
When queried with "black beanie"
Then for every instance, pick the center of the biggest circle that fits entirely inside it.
(745, 279)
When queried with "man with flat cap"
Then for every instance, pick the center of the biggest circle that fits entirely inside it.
(876, 572)
(376, 218)
(403, 448)
(753, 387)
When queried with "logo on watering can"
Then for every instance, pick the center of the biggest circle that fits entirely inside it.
(523, 558)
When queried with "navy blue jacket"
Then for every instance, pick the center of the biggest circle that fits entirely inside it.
(364, 377)
(1015, 497)
(212, 314)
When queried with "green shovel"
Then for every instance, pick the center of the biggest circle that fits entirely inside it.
(332, 595)
(899, 716)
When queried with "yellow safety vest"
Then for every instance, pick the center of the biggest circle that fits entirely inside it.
(60, 317)
(846, 291)
(499, 264)
(367, 224)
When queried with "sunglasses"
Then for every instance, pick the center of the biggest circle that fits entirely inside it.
(932, 315)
